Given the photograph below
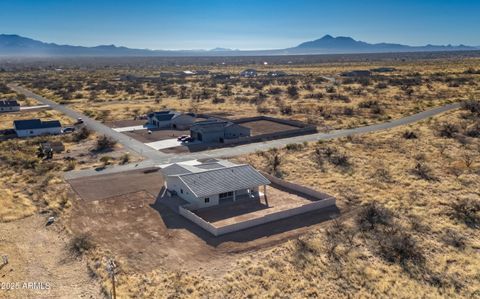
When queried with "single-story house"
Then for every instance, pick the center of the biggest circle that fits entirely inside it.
(357, 73)
(212, 182)
(276, 74)
(36, 127)
(9, 106)
(171, 119)
(215, 130)
(248, 73)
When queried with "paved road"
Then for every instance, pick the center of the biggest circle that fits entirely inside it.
(154, 157)
(127, 142)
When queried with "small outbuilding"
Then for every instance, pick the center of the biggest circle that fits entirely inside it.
(216, 130)
(9, 106)
(55, 146)
(36, 127)
(171, 119)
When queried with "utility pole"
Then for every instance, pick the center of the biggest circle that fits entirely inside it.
(111, 267)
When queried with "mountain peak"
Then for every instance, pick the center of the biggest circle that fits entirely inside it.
(327, 37)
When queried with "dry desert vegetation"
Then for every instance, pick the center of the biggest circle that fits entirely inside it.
(311, 93)
(409, 197)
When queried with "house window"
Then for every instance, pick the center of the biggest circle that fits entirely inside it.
(207, 199)
(31, 132)
(225, 195)
(181, 191)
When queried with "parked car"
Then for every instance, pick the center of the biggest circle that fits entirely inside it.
(79, 121)
(188, 139)
(182, 138)
(68, 130)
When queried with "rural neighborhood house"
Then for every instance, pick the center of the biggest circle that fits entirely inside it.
(171, 119)
(215, 130)
(9, 106)
(213, 182)
(37, 127)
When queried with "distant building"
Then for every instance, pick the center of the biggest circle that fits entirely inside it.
(171, 119)
(215, 130)
(220, 76)
(357, 73)
(384, 69)
(276, 74)
(9, 106)
(36, 127)
(248, 73)
(213, 182)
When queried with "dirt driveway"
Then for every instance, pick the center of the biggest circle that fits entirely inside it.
(140, 226)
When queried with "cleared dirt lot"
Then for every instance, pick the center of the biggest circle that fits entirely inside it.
(140, 227)
(260, 127)
(37, 253)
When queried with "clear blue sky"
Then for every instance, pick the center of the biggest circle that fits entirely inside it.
(247, 24)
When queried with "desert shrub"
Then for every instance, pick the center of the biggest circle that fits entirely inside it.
(472, 105)
(473, 131)
(80, 244)
(466, 211)
(382, 85)
(80, 134)
(294, 147)
(125, 158)
(104, 143)
(292, 91)
(454, 239)
(372, 215)
(340, 97)
(348, 111)
(218, 100)
(447, 130)
(369, 104)
(422, 171)
(409, 135)
(401, 248)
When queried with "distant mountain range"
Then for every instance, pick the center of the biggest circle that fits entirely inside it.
(15, 45)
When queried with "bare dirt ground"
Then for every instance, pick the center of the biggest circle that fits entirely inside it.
(156, 135)
(139, 227)
(38, 254)
(266, 127)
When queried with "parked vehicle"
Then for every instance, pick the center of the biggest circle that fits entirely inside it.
(79, 121)
(188, 139)
(68, 130)
(183, 137)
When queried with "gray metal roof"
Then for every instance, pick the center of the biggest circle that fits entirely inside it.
(222, 180)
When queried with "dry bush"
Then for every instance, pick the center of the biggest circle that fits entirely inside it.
(80, 244)
(372, 215)
(466, 211)
(104, 143)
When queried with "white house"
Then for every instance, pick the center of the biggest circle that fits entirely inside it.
(212, 182)
(171, 119)
(36, 127)
(9, 106)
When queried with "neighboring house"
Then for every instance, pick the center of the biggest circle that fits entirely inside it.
(215, 130)
(213, 182)
(248, 73)
(36, 127)
(276, 74)
(9, 106)
(171, 119)
(55, 146)
(357, 73)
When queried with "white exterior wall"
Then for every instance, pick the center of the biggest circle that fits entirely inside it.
(38, 132)
(175, 184)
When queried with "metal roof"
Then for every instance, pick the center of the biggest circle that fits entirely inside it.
(216, 181)
(29, 124)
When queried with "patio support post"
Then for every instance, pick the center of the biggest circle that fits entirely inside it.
(234, 195)
(265, 194)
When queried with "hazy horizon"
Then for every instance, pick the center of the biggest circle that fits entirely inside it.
(249, 25)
